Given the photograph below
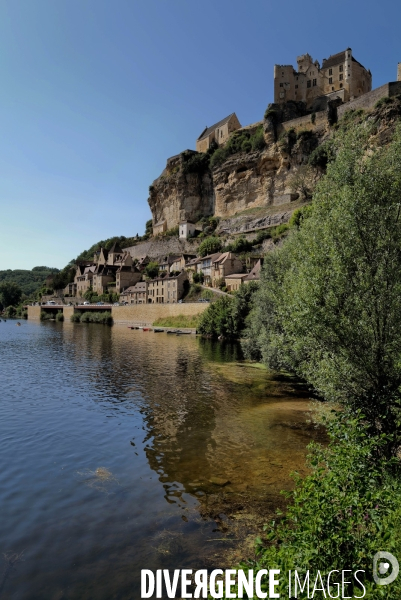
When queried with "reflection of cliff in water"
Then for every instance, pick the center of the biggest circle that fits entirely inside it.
(212, 421)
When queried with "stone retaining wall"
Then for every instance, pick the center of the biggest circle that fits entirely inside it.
(146, 314)
(34, 313)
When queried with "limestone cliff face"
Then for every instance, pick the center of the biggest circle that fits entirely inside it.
(245, 180)
(181, 194)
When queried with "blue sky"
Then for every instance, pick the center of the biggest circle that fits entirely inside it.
(95, 95)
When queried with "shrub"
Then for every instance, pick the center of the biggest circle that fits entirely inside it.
(258, 139)
(46, 316)
(152, 269)
(209, 246)
(226, 317)
(198, 277)
(322, 155)
(261, 236)
(383, 102)
(298, 216)
(195, 163)
(103, 317)
(60, 316)
(241, 244)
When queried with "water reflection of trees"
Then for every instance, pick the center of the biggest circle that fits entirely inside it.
(204, 414)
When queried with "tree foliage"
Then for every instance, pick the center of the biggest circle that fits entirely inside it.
(226, 317)
(329, 307)
(10, 293)
(152, 269)
(28, 281)
(209, 245)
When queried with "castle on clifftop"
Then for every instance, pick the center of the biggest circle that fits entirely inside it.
(340, 75)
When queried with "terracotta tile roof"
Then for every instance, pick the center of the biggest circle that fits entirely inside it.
(236, 276)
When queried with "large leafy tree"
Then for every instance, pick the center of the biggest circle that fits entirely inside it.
(329, 307)
(210, 245)
(10, 293)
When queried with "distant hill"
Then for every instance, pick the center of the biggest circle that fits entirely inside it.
(29, 281)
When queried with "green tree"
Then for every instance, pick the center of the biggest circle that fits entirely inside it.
(329, 308)
(152, 270)
(10, 293)
(227, 316)
(209, 246)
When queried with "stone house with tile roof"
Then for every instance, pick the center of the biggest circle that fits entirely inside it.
(136, 294)
(219, 133)
(166, 290)
(226, 264)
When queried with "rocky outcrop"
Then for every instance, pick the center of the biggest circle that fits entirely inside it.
(183, 192)
(264, 178)
(249, 224)
(158, 246)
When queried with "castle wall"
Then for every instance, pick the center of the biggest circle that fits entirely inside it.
(304, 122)
(399, 72)
(369, 100)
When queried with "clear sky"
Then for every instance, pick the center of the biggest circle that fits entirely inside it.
(95, 95)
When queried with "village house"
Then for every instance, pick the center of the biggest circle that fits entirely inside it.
(70, 289)
(254, 275)
(181, 262)
(226, 264)
(340, 76)
(168, 289)
(83, 278)
(204, 265)
(186, 230)
(234, 281)
(159, 227)
(192, 267)
(218, 133)
(135, 294)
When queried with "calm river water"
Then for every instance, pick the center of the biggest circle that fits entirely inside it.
(113, 447)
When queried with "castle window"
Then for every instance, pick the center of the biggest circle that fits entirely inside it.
(341, 85)
(281, 84)
(341, 68)
(341, 77)
(330, 71)
(296, 86)
(309, 83)
(332, 89)
(330, 79)
(314, 82)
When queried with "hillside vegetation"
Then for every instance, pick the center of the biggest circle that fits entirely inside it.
(28, 281)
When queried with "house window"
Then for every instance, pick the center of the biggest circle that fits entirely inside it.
(332, 89)
(330, 71)
(330, 80)
(314, 82)
(341, 77)
(309, 83)
(341, 85)
(341, 68)
(281, 84)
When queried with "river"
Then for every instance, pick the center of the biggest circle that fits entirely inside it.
(124, 450)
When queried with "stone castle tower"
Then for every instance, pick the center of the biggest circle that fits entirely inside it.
(340, 76)
(399, 72)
